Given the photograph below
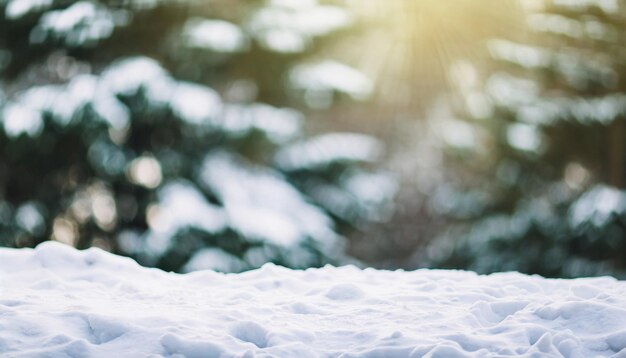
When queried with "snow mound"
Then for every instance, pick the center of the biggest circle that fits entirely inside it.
(59, 302)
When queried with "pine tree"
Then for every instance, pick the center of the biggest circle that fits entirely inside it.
(543, 173)
(134, 126)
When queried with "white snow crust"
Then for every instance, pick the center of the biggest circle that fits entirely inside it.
(59, 302)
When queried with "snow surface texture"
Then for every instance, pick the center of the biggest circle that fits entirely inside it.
(59, 302)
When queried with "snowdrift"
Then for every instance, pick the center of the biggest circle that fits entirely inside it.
(59, 302)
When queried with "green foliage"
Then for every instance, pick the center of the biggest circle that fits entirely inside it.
(546, 117)
(112, 136)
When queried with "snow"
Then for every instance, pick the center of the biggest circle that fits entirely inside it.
(524, 137)
(16, 9)
(523, 55)
(607, 6)
(597, 206)
(195, 103)
(288, 26)
(522, 97)
(328, 76)
(58, 302)
(216, 35)
(180, 205)
(81, 23)
(20, 119)
(28, 217)
(577, 70)
(127, 76)
(261, 204)
(213, 258)
(278, 124)
(325, 149)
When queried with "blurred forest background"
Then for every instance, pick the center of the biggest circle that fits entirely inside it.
(223, 134)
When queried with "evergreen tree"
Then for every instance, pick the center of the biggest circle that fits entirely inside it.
(543, 171)
(134, 126)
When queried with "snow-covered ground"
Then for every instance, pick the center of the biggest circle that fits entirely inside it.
(59, 302)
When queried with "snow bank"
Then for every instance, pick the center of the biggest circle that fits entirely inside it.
(59, 302)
